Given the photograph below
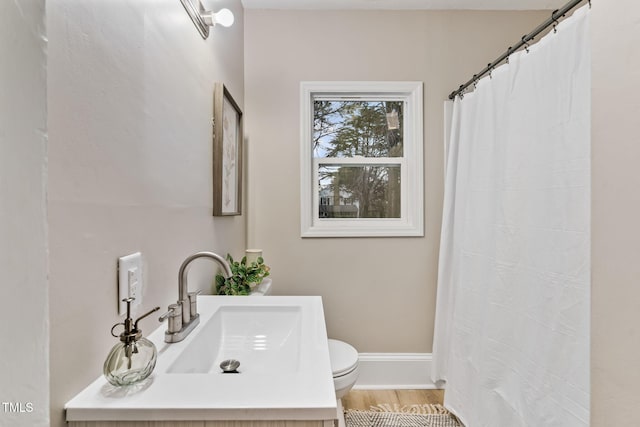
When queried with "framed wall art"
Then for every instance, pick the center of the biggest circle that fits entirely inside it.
(227, 153)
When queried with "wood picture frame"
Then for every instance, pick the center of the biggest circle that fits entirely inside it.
(227, 153)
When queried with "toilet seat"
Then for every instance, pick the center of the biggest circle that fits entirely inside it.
(344, 366)
(344, 358)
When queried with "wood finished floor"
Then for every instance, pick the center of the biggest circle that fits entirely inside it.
(363, 399)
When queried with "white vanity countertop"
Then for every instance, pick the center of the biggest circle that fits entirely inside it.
(304, 392)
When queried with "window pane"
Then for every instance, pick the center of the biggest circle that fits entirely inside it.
(357, 128)
(359, 191)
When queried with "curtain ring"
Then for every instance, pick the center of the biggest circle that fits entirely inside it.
(508, 55)
(475, 81)
(526, 43)
(555, 20)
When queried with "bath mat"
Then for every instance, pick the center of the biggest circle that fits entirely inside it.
(387, 415)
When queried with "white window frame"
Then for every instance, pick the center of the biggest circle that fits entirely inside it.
(411, 221)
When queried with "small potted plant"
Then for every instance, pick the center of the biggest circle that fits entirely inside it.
(244, 277)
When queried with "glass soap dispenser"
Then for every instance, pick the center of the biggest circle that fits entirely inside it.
(134, 357)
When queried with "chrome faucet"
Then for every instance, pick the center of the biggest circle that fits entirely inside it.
(183, 316)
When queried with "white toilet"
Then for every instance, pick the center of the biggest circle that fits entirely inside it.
(344, 366)
(343, 357)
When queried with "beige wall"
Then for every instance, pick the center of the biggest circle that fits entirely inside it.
(130, 169)
(24, 320)
(615, 212)
(379, 294)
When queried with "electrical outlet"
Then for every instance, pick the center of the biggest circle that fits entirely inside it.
(129, 281)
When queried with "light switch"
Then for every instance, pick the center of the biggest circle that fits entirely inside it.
(129, 281)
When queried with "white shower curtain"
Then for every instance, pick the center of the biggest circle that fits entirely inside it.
(512, 321)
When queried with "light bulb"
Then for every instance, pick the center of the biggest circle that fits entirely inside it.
(223, 17)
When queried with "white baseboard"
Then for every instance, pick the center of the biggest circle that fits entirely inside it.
(380, 371)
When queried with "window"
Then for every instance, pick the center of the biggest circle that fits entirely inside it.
(361, 159)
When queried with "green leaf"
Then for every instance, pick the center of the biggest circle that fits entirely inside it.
(242, 277)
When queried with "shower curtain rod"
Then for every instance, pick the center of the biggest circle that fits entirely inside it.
(555, 16)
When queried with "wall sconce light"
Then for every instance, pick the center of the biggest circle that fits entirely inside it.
(203, 19)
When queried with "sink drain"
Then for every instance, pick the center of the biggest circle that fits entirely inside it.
(229, 366)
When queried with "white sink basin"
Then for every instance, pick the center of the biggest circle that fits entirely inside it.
(263, 339)
(285, 372)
